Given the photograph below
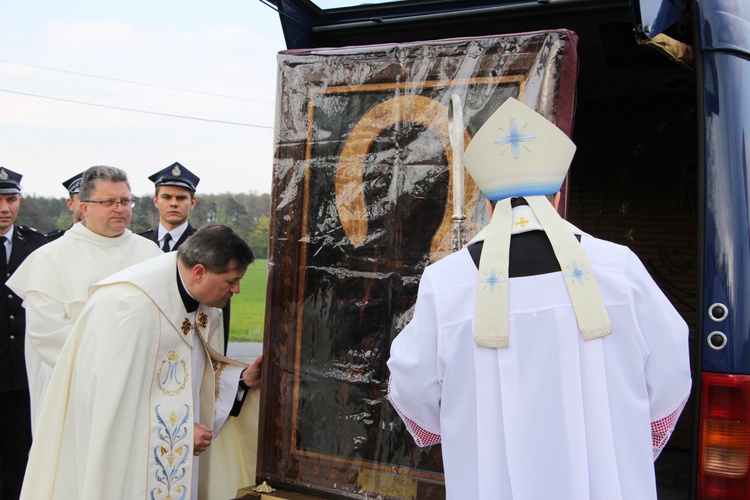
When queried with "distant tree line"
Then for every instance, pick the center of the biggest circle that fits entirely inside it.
(247, 213)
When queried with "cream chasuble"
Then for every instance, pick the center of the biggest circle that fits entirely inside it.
(118, 421)
(54, 283)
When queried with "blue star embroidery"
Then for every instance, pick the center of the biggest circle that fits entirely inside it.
(577, 273)
(514, 138)
(492, 280)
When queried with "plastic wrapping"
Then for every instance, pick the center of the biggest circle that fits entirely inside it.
(362, 202)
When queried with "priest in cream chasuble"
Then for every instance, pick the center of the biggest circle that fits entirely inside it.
(141, 367)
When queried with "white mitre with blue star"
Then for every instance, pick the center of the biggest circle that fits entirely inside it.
(518, 152)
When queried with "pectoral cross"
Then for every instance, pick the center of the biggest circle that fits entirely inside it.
(522, 222)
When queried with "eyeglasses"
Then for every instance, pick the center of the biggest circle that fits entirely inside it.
(111, 203)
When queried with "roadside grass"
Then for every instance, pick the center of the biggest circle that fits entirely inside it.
(249, 306)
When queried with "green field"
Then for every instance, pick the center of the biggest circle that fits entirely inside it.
(249, 306)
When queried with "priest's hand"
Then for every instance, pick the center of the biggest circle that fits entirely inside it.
(202, 438)
(251, 374)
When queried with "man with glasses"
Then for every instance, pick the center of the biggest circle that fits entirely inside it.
(54, 283)
(16, 243)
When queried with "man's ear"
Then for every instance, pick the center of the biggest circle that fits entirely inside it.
(199, 272)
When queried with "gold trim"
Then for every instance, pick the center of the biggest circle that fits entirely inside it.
(217, 380)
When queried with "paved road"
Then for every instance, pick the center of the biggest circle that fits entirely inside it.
(244, 351)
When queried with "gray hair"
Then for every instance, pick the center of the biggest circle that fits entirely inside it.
(100, 172)
(216, 247)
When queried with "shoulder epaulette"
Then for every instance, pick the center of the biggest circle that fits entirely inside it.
(30, 232)
(53, 235)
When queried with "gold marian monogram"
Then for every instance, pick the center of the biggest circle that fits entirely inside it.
(172, 375)
(201, 322)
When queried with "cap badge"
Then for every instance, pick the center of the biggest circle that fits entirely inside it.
(3, 174)
(515, 138)
(176, 171)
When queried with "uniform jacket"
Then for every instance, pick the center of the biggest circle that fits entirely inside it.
(153, 235)
(12, 314)
(53, 235)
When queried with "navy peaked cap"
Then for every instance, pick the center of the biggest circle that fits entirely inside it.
(175, 175)
(10, 181)
(73, 185)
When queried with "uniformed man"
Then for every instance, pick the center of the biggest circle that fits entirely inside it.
(174, 199)
(73, 185)
(17, 243)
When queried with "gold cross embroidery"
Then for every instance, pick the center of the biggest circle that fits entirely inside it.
(185, 326)
(201, 322)
(522, 222)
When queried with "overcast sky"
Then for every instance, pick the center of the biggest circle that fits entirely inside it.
(56, 55)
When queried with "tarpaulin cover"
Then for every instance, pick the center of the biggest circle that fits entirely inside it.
(362, 202)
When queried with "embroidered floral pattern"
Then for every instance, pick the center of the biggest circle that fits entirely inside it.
(171, 456)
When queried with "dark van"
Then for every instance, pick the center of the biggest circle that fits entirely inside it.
(662, 126)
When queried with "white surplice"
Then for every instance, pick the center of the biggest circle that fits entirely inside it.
(54, 284)
(551, 416)
(118, 418)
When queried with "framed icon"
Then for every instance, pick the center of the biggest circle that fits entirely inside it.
(362, 202)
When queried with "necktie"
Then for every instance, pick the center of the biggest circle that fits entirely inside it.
(3, 254)
(165, 245)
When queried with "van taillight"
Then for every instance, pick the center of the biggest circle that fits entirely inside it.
(724, 446)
